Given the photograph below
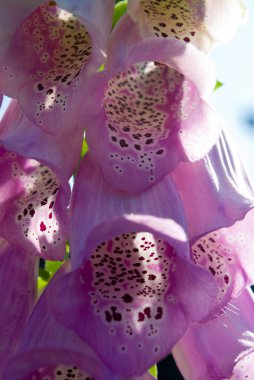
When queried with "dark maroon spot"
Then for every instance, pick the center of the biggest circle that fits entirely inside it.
(49, 91)
(212, 271)
(40, 87)
(123, 143)
(151, 277)
(43, 227)
(147, 312)
(50, 215)
(116, 316)
(159, 313)
(200, 246)
(127, 298)
(160, 151)
(32, 212)
(141, 317)
(51, 204)
(186, 39)
(108, 316)
(44, 202)
(226, 279)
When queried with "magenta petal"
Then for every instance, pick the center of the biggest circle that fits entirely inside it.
(99, 212)
(129, 106)
(56, 54)
(139, 310)
(135, 274)
(215, 191)
(11, 15)
(18, 274)
(210, 351)
(19, 134)
(33, 209)
(47, 348)
(219, 212)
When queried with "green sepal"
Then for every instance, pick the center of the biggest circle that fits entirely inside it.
(120, 9)
(153, 371)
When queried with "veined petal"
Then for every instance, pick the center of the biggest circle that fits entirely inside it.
(215, 191)
(57, 51)
(19, 134)
(210, 351)
(33, 212)
(219, 212)
(149, 114)
(18, 272)
(202, 23)
(94, 203)
(135, 273)
(49, 349)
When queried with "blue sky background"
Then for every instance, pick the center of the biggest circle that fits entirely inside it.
(234, 64)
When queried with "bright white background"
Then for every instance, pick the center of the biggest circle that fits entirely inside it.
(234, 64)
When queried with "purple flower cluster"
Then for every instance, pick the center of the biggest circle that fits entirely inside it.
(160, 218)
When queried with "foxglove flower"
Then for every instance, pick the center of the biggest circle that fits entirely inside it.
(150, 110)
(17, 294)
(33, 207)
(134, 276)
(21, 135)
(56, 52)
(48, 349)
(222, 348)
(219, 212)
(202, 22)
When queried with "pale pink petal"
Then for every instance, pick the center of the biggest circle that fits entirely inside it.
(95, 10)
(244, 368)
(202, 23)
(210, 351)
